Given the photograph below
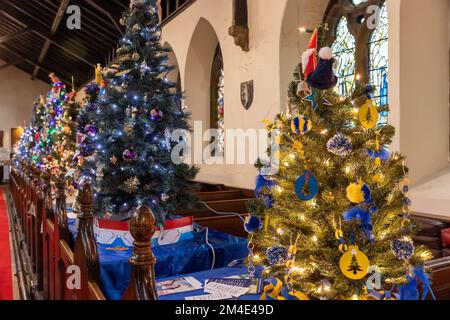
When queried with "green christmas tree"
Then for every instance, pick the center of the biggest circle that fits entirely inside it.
(337, 186)
(138, 113)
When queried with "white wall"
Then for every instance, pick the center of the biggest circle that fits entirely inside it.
(261, 64)
(419, 83)
(17, 93)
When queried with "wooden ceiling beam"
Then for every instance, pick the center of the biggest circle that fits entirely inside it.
(100, 8)
(56, 23)
(32, 62)
(14, 35)
(15, 13)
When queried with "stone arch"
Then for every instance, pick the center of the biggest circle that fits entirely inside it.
(197, 76)
(174, 75)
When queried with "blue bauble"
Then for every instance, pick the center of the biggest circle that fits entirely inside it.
(252, 224)
(306, 187)
(277, 256)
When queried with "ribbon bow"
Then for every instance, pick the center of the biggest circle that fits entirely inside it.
(276, 290)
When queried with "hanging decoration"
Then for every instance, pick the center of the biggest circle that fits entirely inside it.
(354, 264)
(402, 249)
(129, 155)
(131, 185)
(301, 125)
(323, 77)
(340, 145)
(368, 115)
(277, 256)
(307, 187)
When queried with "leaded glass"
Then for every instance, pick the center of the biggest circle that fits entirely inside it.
(344, 49)
(378, 62)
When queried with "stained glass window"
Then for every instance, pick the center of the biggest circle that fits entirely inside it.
(220, 113)
(378, 62)
(374, 66)
(344, 49)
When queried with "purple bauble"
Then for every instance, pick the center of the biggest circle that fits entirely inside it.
(92, 88)
(91, 107)
(129, 155)
(91, 130)
(156, 115)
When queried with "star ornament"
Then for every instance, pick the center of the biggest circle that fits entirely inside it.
(114, 160)
(312, 98)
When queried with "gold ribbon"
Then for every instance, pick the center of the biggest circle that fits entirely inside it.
(274, 292)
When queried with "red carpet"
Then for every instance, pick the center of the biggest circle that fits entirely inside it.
(6, 290)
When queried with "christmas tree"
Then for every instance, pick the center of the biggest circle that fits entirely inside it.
(87, 130)
(338, 203)
(138, 113)
(64, 145)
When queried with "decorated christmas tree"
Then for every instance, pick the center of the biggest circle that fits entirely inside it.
(138, 113)
(87, 130)
(50, 137)
(336, 215)
(65, 138)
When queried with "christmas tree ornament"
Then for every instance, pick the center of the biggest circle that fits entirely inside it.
(307, 186)
(114, 160)
(355, 193)
(402, 249)
(303, 89)
(129, 155)
(131, 185)
(312, 98)
(165, 197)
(156, 115)
(380, 156)
(368, 115)
(340, 145)
(354, 264)
(136, 56)
(277, 256)
(323, 77)
(309, 59)
(122, 21)
(128, 128)
(136, 28)
(252, 224)
(90, 130)
(299, 147)
(301, 125)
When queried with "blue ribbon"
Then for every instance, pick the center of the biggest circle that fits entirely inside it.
(410, 291)
(359, 213)
(262, 182)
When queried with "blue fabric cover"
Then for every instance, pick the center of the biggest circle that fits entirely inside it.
(184, 257)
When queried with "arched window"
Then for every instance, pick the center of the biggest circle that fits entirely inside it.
(360, 41)
(344, 48)
(218, 100)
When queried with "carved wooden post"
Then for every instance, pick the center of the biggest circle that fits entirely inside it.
(40, 207)
(61, 221)
(142, 284)
(239, 30)
(86, 252)
(47, 205)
